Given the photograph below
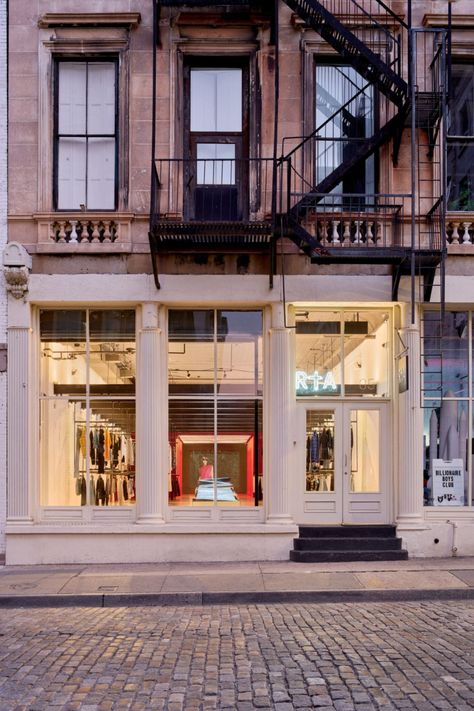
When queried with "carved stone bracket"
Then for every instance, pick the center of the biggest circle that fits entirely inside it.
(17, 265)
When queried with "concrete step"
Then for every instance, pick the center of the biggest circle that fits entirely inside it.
(335, 556)
(382, 531)
(369, 543)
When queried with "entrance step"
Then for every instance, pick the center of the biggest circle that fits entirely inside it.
(370, 543)
(347, 543)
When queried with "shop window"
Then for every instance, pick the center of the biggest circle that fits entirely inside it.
(342, 353)
(87, 408)
(215, 375)
(216, 139)
(86, 135)
(344, 115)
(448, 435)
(460, 143)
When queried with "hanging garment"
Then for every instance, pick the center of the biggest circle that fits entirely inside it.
(83, 486)
(324, 444)
(125, 489)
(82, 441)
(92, 448)
(314, 448)
(92, 490)
(100, 494)
(308, 453)
(115, 452)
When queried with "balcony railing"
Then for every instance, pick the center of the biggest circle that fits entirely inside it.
(353, 221)
(212, 190)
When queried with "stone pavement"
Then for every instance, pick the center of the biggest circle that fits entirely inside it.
(253, 582)
(332, 657)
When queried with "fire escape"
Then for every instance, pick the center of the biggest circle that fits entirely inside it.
(311, 192)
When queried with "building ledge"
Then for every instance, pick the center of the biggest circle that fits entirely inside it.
(130, 20)
(173, 528)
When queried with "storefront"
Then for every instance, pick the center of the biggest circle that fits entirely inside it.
(208, 430)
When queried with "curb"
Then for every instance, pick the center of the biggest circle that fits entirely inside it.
(201, 599)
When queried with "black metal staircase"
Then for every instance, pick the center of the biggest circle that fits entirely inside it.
(381, 73)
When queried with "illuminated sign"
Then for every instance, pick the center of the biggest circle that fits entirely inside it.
(316, 383)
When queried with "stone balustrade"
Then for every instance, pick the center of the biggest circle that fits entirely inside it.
(348, 231)
(460, 230)
(84, 232)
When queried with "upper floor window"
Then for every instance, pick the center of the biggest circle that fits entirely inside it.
(461, 139)
(216, 140)
(86, 135)
(344, 117)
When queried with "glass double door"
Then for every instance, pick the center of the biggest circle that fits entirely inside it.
(346, 466)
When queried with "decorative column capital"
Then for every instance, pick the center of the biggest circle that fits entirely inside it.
(17, 265)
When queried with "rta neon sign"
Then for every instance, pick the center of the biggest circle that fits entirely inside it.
(314, 383)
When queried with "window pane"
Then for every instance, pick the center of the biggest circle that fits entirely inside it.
(366, 354)
(63, 352)
(216, 100)
(111, 451)
(72, 98)
(338, 86)
(320, 443)
(191, 352)
(445, 360)
(101, 173)
(101, 98)
(215, 163)
(239, 352)
(318, 353)
(112, 352)
(71, 173)
(239, 453)
(462, 110)
(460, 175)
(365, 451)
(191, 441)
(446, 454)
(63, 452)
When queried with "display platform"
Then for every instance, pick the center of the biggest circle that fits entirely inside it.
(222, 487)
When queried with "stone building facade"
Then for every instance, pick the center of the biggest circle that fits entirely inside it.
(239, 277)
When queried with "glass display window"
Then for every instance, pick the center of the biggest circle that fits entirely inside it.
(215, 374)
(447, 390)
(88, 408)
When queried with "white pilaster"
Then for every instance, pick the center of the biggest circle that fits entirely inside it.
(18, 443)
(410, 480)
(278, 410)
(150, 440)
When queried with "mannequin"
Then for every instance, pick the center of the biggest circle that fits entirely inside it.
(206, 470)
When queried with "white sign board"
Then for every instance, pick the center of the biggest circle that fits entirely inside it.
(448, 482)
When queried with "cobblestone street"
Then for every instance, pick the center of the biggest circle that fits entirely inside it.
(289, 656)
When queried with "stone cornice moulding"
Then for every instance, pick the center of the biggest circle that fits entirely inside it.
(130, 20)
(458, 22)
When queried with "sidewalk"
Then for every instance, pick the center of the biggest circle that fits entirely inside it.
(232, 583)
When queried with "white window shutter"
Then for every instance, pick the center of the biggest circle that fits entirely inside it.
(72, 98)
(101, 174)
(71, 173)
(101, 98)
